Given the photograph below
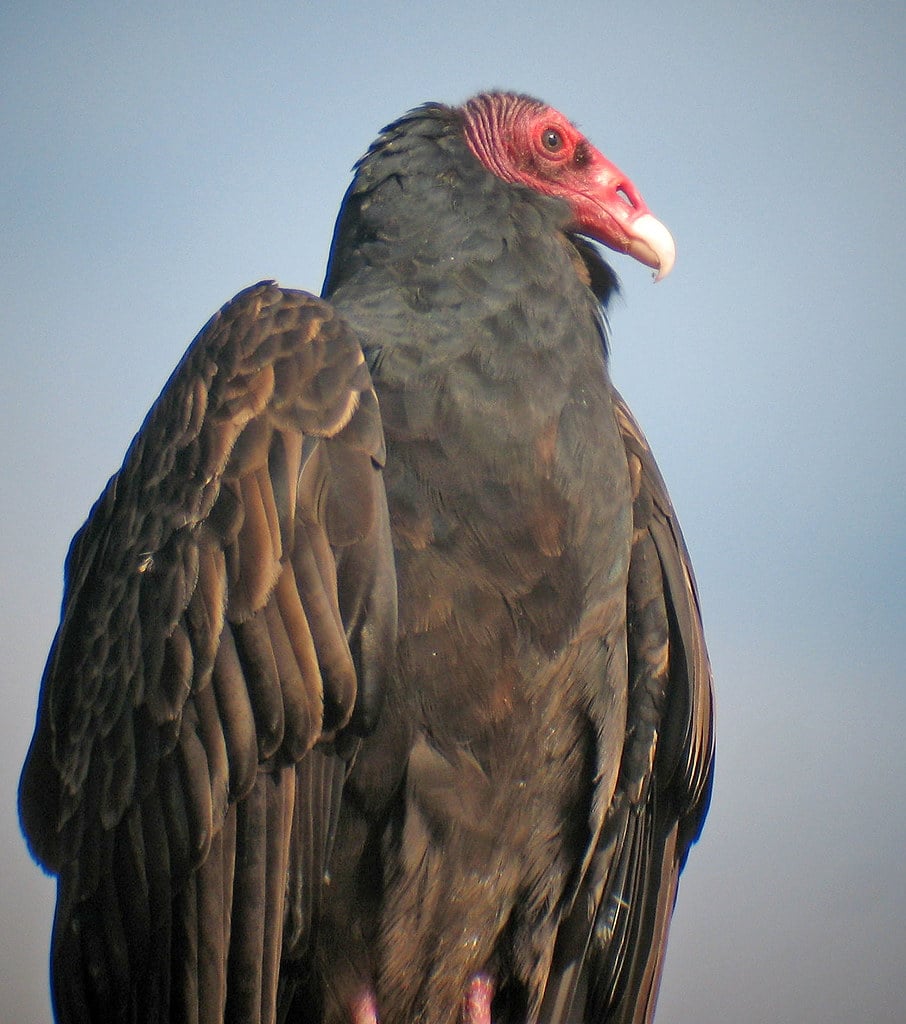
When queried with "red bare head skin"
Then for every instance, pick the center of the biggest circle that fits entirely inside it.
(528, 143)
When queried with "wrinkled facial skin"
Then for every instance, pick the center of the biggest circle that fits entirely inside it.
(529, 143)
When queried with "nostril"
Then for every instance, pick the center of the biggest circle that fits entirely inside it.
(624, 195)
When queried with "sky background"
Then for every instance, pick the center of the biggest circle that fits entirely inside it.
(154, 159)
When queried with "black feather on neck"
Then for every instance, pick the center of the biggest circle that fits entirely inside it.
(602, 278)
(425, 226)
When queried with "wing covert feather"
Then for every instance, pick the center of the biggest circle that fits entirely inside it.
(204, 648)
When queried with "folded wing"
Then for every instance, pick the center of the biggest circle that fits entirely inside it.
(610, 950)
(228, 615)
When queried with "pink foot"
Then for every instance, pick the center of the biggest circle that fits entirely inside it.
(477, 1003)
(364, 1009)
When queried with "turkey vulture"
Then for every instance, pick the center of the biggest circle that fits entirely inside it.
(380, 692)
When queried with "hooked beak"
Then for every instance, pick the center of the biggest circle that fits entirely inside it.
(614, 213)
(652, 244)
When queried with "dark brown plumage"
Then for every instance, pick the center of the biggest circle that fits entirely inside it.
(397, 712)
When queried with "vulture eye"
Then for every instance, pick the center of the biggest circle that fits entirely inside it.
(552, 140)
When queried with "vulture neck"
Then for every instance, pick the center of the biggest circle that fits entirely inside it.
(433, 252)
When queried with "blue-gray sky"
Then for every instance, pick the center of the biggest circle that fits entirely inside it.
(154, 159)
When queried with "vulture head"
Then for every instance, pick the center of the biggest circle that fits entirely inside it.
(526, 142)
